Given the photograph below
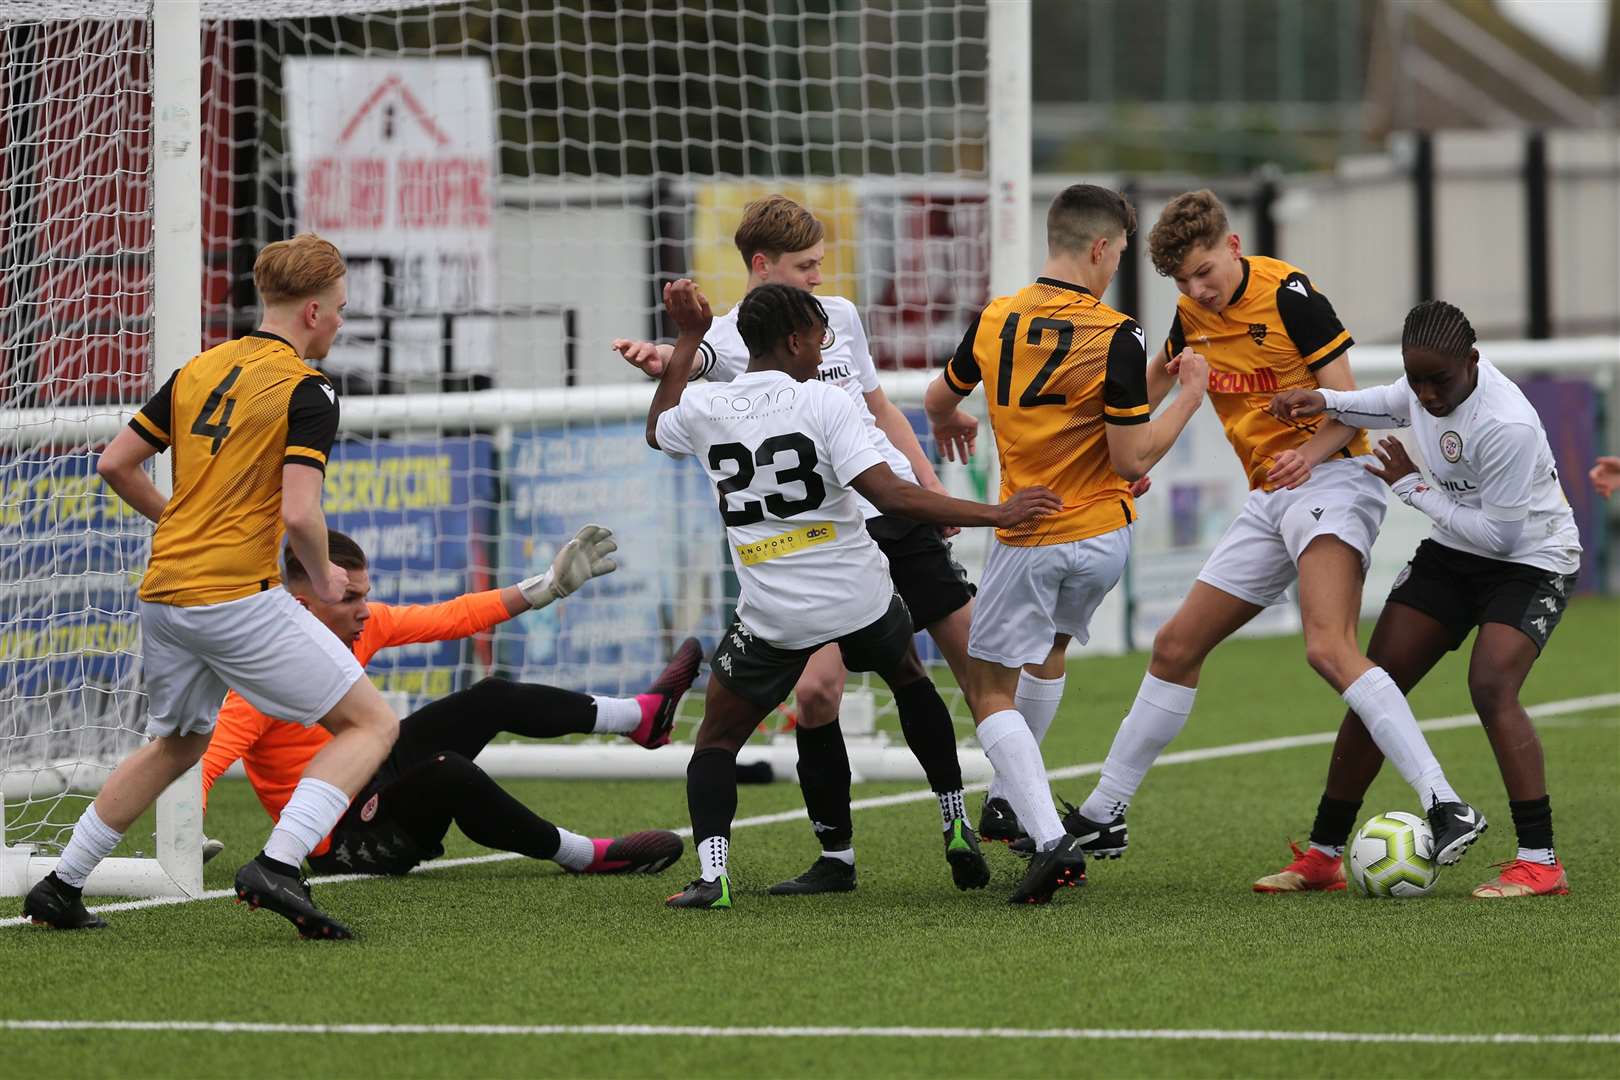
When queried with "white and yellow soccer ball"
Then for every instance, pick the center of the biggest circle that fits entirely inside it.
(1393, 855)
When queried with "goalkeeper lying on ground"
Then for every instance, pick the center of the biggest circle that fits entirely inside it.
(401, 816)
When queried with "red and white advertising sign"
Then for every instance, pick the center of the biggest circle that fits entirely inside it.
(395, 159)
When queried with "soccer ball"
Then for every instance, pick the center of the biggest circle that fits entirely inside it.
(1393, 855)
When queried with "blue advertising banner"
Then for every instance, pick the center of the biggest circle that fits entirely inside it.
(614, 636)
(423, 511)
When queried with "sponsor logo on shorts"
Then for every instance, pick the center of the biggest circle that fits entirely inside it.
(1400, 578)
(1257, 330)
(1540, 623)
(724, 660)
(774, 547)
(738, 643)
(369, 811)
(1550, 603)
(1451, 447)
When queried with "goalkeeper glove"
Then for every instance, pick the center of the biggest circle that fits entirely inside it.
(582, 558)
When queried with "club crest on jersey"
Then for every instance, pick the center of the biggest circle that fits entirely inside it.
(1257, 330)
(369, 811)
(827, 337)
(1451, 447)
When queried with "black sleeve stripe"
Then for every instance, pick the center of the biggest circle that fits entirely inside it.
(1125, 382)
(159, 411)
(1126, 421)
(1306, 315)
(706, 361)
(312, 415)
(1333, 354)
(135, 426)
(1178, 337)
(301, 459)
(963, 367)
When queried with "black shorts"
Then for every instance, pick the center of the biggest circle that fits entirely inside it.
(927, 577)
(1461, 591)
(368, 840)
(765, 674)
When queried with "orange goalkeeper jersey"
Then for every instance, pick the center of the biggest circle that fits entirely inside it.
(276, 753)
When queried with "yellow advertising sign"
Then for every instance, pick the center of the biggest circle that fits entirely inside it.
(718, 268)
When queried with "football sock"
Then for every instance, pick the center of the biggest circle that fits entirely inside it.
(711, 799)
(926, 723)
(951, 807)
(1532, 820)
(305, 821)
(1334, 820)
(843, 855)
(1037, 702)
(621, 716)
(824, 781)
(92, 841)
(1157, 715)
(574, 852)
(1384, 712)
(1012, 750)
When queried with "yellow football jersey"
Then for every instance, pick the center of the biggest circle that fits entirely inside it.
(1276, 331)
(232, 417)
(1057, 363)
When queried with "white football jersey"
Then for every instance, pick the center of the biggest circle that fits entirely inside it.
(781, 454)
(1490, 454)
(846, 362)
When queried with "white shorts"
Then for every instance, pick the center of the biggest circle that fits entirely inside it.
(1028, 595)
(1258, 557)
(267, 647)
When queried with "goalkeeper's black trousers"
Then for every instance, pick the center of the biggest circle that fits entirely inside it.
(429, 780)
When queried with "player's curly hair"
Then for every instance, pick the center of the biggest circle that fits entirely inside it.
(1440, 328)
(770, 313)
(1193, 220)
(1082, 213)
(775, 225)
(297, 269)
(340, 548)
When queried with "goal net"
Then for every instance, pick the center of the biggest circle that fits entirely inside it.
(511, 183)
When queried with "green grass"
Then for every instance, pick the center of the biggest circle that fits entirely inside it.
(1169, 937)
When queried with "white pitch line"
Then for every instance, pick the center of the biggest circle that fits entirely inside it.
(229, 1027)
(1564, 707)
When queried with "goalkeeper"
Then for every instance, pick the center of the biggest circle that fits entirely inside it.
(402, 813)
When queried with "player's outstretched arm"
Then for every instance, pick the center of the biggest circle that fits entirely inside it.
(582, 558)
(1134, 448)
(892, 495)
(689, 308)
(649, 357)
(120, 465)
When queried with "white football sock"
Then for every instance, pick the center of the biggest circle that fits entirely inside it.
(1012, 750)
(1037, 702)
(1388, 718)
(1157, 716)
(1543, 855)
(92, 841)
(1333, 851)
(843, 855)
(574, 852)
(712, 855)
(616, 715)
(951, 806)
(306, 820)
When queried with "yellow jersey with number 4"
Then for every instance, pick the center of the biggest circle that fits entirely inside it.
(232, 417)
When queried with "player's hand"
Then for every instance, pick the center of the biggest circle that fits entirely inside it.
(1394, 461)
(648, 356)
(332, 586)
(1606, 476)
(1297, 404)
(957, 435)
(1026, 505)
(945, 531)
(582, 558)
(688, 307)
(1141, 487)
(1192, 372)
(1289, 469)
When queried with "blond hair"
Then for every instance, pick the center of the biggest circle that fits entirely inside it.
(775, 225)
(1194, 220)
(297, 269)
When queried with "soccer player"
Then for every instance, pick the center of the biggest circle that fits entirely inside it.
(1066, 378)
(788, 453)
(1502, 557)
(250, 424)
(782, 243)
(1265, 328)
(402, 813)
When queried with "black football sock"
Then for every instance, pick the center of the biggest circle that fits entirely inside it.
(926, 723)
(1334, 820)
(824, 780)
(711, 799)
(1532, 820)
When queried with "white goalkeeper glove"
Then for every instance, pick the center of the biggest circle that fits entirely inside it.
(582, 558)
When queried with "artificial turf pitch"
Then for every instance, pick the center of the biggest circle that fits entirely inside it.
(1166, 943)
